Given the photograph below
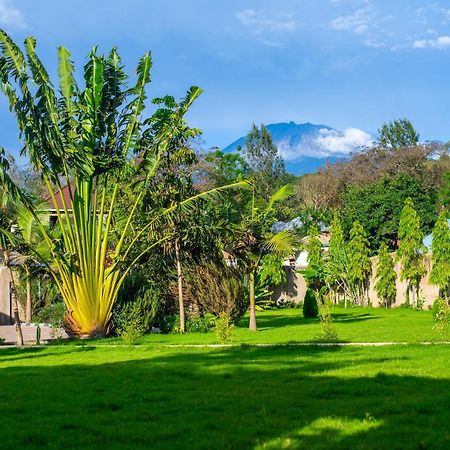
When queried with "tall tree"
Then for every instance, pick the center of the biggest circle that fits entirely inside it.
(78, 137)
(253, 239)
(386, 277)
(336, 266)
(440, 247)
(359, 263)
(410, 250)
(265, 164)
(397, 134)
(315, 259)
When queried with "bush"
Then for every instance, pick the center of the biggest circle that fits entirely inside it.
(328, 331)
(441, 315)
(215, 289)
(51, 314)
(170, 323)
(310, 308)
(203, 324)
(224, 328)
(134, 318)
(136, 308)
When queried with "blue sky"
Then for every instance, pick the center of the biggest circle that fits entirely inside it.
(349, 64)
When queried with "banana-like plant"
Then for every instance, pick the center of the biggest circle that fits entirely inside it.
(79, 137)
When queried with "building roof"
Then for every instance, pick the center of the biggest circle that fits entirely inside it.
(66, 197)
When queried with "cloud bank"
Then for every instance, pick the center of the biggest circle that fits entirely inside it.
(326, 143)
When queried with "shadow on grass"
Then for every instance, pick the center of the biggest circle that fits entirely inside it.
(277, 321)
(349, 317)
(222, 399)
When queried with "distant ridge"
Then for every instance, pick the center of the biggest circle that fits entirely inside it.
(306, 147)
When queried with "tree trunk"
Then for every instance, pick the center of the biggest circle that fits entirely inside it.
(252, 324)
(28, 308)
(19, 335)
(180, 289)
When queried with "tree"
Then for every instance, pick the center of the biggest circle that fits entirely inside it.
(315, 258)
(444, 191)
(225, 168)
(266, 166)
(337, 261)
(359, 263)
(397, 134)
(440, 247)
(410, 249)
(377, 206)
(253, 239)
(386, 277)
(78, 138)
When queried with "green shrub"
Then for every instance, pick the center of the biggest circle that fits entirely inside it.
(134, 318)
(310, 308)
(170, 323)
(215, 288)
(328, 331)
(441, 315)
(203, 324)
(52, 314)
(224, 328)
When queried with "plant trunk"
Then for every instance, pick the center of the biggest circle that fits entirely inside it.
(28, 308)
(180, 289)
(252, 323)
(19, 335)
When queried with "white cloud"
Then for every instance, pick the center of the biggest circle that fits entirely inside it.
(358, 22)
(441, 42)
(343, 143)
(10, 15)
(258, 22)
(326, 143)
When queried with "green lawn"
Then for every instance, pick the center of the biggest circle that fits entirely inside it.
(289, 326)
(240, 397)
(67, 397)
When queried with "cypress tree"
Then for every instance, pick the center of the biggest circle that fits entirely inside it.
(385, 278)
(337, 257)
(314, 248)
(360, 267)
(315, 259)
(410, 249)
(440, 247)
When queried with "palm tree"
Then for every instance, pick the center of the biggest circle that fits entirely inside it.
(255, 239)
(78, 138)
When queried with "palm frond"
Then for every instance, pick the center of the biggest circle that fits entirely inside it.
(282, 194)
(282, 243)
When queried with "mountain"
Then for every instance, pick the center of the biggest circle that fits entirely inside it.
(306, 147)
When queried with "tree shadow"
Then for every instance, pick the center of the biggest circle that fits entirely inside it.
(278, 321)
(349, 317)
(224, 398)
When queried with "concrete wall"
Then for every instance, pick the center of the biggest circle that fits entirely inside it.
(6, 304)
(295, 287)
(6, 311)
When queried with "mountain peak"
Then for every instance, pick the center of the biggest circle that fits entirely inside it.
(307, 146)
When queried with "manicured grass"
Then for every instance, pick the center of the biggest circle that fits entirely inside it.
(289, 326)
(67, 397)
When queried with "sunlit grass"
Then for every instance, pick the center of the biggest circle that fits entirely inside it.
(247, 397)
(289, 326)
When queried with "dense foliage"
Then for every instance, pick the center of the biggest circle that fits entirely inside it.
(385, 285)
